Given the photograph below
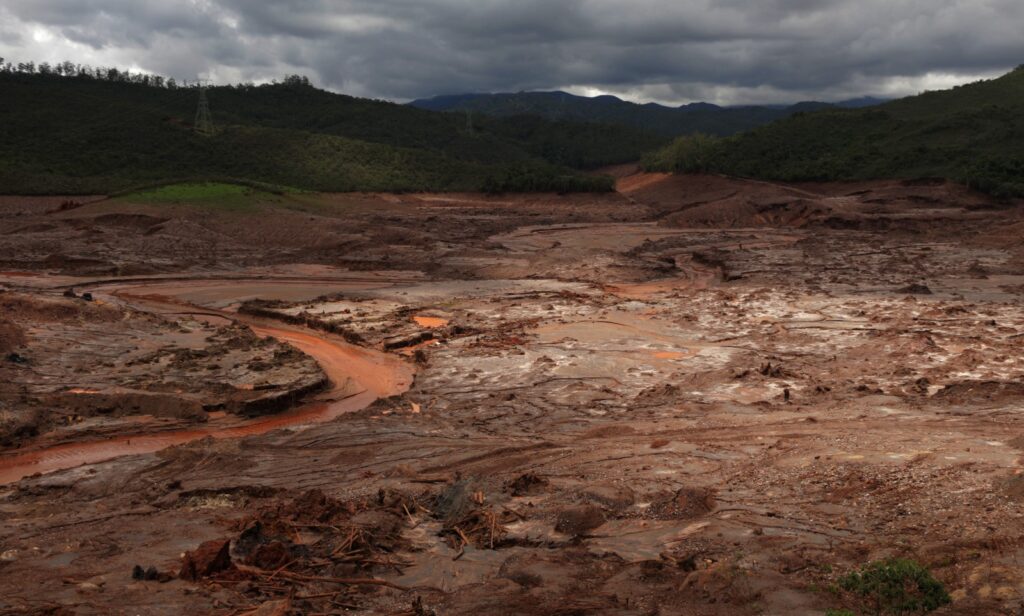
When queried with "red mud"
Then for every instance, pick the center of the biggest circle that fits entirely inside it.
(706, 397)
(370, 373)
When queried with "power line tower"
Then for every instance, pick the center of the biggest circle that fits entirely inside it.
(204, 123)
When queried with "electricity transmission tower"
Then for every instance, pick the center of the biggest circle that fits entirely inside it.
(204, 123)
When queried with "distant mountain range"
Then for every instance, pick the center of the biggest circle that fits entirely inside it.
(651, 117)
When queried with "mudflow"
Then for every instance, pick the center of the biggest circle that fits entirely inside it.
(694, 396)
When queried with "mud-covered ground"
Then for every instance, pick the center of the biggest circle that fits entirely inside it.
(80, 367)
(697, 396)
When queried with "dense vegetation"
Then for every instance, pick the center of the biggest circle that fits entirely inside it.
(973, 134)
(667, 121)
(892, 587)
(84, 130)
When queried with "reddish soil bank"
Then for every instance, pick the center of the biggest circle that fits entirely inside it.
(700, 396)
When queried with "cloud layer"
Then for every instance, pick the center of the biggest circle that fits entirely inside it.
(675, 51)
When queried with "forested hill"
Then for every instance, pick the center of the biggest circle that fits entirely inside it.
(702, 118)
(102, 130)
(973, 134)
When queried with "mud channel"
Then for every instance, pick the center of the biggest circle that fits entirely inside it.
(696, 396)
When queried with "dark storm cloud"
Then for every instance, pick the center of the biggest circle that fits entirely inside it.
(724, 50)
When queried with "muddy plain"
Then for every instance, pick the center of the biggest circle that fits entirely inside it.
(697, 395)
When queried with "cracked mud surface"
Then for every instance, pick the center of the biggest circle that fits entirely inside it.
(698, 396)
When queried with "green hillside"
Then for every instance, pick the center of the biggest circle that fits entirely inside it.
(972, 133)
(83, 134)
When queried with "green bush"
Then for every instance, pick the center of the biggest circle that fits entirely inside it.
(895, 587)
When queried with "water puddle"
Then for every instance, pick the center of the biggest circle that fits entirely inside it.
(430, 322)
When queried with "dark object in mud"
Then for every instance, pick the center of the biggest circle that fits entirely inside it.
(87, 297)
(70, 293)
(915, 289)
(15, 358)
(420, 610)
(772, 371)
(580, 520)
(149, 574)
(208, 559)
(529, 483)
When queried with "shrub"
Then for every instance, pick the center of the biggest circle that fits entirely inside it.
(895, 586)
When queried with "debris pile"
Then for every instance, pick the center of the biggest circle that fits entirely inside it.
(317, 552)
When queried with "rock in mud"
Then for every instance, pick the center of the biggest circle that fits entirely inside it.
(209, 558)
(580, 520)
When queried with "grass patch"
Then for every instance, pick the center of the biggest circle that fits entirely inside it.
(207, 194)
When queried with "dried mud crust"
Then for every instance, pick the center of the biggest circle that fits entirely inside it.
(74, 367)
(608, 418)
(120, 238)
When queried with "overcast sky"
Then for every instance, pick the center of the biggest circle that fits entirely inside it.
(671, 51)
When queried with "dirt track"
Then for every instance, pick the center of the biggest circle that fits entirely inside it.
(700, 396)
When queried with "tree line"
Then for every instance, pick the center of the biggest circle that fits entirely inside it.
(116, 75)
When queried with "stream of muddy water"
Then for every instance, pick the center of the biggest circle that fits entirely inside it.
(358, 377)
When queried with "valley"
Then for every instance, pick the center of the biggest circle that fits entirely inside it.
(693, 395)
